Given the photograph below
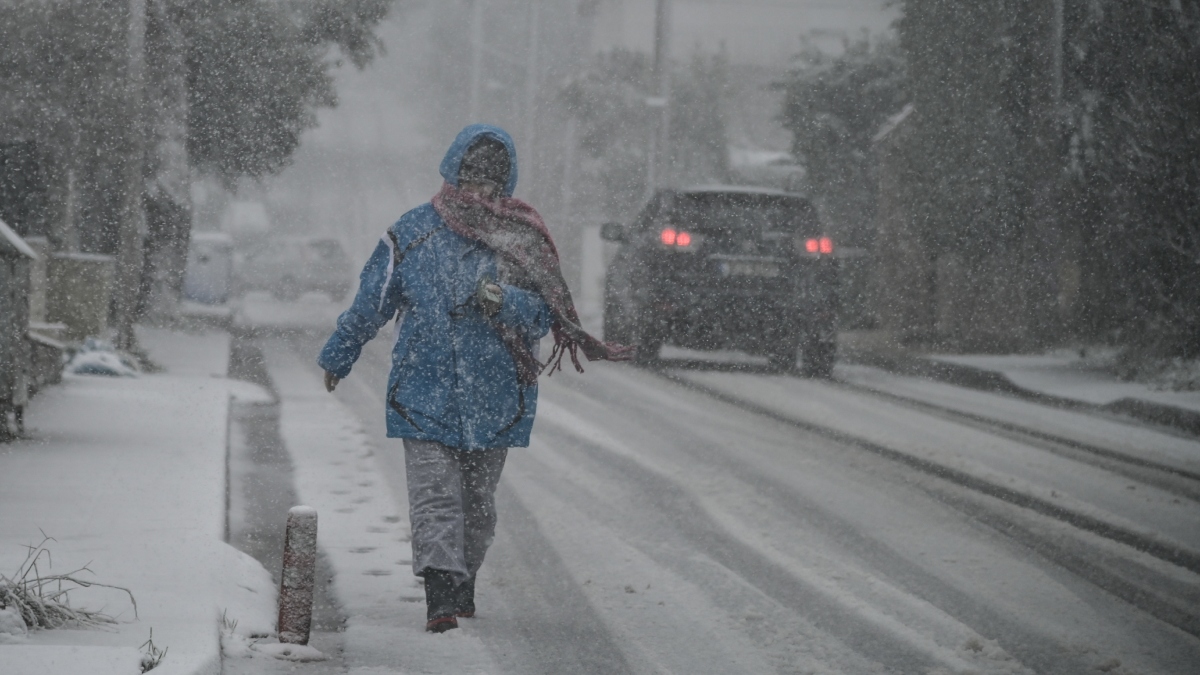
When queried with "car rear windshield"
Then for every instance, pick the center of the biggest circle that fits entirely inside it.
(744, 214)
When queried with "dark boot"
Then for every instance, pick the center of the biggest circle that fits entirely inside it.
(439, 601)
(464, 599)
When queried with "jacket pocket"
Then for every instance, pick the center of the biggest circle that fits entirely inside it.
(397, 373)
(400, 409)
(516, 418)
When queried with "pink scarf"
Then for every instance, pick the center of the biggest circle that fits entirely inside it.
(515, 232)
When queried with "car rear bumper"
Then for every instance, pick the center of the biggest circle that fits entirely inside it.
(740, 319)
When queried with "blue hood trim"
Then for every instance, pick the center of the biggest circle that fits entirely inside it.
(466, 138)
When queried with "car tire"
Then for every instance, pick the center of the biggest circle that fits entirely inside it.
(613, 330)
(647, 352)
(648, 345)
(783, 360)
(626, 325)
(819, 357)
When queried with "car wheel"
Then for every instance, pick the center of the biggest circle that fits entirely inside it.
(783, 359)
(819, 357)
(647, 351)
(613, 330)
(648, 344)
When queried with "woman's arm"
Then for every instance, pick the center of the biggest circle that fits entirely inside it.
(374, 305)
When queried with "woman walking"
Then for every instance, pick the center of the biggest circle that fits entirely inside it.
(473, 281)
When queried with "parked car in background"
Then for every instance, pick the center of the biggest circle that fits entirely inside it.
(288, 267)
(208, 275)
(725, 267)
(246, 219)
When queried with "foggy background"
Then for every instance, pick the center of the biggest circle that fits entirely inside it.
(375, 155)
(999, 178)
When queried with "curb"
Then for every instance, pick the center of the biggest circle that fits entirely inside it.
(1171, 417)
(1181, 419)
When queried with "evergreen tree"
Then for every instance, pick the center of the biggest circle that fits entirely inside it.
(259, 70)
(1134, 89)
(834, 107)
(980, 166)
(609, 101)
(966, 187)
(1089, 197)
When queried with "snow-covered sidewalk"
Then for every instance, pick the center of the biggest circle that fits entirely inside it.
(1063, 377)
(364, 531)
(128, 475)
(1068, 375)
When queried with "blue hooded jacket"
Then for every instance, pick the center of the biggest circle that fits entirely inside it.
(452, 379)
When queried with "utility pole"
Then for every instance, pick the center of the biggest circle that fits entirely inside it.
(662, 76)
(476, 60)
(662, 66)
(1057, 47)
(568, 173)
(532, 76)
(132, 226)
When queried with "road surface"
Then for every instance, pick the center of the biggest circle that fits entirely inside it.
(704, 518)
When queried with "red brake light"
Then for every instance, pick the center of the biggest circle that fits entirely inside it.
(672, 237)
(811, 246)
(826, 245)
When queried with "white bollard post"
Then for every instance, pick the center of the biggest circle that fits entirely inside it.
(298, 577)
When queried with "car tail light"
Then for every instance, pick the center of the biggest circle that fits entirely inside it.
(821, 245)
(671, 237)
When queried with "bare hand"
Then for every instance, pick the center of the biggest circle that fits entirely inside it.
(331, 381)
(490, 297)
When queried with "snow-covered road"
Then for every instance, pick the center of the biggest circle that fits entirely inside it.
(691, 520)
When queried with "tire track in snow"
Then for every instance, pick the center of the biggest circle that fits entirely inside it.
(892, 637)
(634, 401)
(1177, 480)
(542, 609)
(873, 644)
(1155, 591)
(664, 623)
(1161, 548)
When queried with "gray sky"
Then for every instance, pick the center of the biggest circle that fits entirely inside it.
(753, 31)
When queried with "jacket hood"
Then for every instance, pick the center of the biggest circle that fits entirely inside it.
(452, 162)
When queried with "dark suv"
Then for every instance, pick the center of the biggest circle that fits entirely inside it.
(726, 268)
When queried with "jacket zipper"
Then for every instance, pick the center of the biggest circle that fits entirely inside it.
(397, 258)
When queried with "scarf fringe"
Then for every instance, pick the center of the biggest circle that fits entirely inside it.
(563, 345)
(593, 350)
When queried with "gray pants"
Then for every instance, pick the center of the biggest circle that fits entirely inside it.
(451, 505)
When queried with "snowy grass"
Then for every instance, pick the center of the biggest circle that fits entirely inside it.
(238, 646)
(1175, 374)
(1158, 372)
(152, 656)
(43, 600)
